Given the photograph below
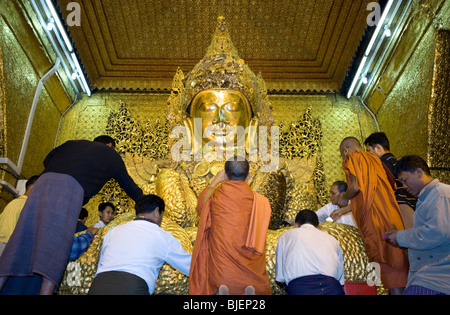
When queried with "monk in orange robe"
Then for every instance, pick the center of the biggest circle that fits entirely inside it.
(229, 251)
(375, 210)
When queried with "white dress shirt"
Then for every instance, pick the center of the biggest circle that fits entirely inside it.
(324, 212)
(141, 248)
(306, 251)
(99, 224)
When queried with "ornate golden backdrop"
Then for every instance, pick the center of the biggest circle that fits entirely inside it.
(296, 45)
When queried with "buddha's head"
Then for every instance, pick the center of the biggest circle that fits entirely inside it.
(218, 95)
(220, 111)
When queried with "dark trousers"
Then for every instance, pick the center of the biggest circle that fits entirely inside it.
(118, 283)
(315, 285)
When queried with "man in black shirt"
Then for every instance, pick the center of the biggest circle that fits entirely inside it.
(378, 144)
(36, 256)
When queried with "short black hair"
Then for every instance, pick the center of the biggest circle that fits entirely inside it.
(378, 138)
(31, 181)
(237, 168)
(341, 185)
(105, 140)
(148, 203)
(103, 206)
(409, 163)
(307, 216)
(83, 214)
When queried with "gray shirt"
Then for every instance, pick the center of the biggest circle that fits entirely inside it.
(428, 241)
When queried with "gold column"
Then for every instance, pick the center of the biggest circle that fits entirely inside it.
(438, 117)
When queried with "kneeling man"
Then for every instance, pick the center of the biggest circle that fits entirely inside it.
(133, 253)
(308, 260)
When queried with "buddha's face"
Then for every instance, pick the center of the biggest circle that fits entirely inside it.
(219, 109)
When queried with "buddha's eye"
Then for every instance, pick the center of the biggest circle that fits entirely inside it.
(208, 107)
(231, 107)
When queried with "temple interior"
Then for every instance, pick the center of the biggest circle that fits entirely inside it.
(331, 69)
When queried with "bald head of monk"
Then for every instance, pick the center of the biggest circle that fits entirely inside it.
(237, 168)
(349, 145)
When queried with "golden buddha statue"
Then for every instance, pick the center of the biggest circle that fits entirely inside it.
(219, 109)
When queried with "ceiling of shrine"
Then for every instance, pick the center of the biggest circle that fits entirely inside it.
(136, 45)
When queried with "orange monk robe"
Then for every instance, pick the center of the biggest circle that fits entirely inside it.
(231, 240)
(376, 212)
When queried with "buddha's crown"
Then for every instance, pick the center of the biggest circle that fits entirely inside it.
(221, 68)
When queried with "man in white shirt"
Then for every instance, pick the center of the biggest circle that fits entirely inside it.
(133, 253)
(308, 260)
(324, 213)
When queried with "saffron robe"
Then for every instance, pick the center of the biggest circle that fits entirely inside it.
(376, 211)
(231, 240)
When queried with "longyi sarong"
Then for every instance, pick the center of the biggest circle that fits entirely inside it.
(315, 285)
(118, 283)
(42, 239)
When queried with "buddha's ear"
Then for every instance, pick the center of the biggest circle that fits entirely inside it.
(194, 140)
(251, 138)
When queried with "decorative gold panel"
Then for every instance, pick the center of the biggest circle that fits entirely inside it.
(339, 118)
(404, 115)
(21, 51)
(439, 113)
(411, 99)
(88, 117)
(295, 44)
